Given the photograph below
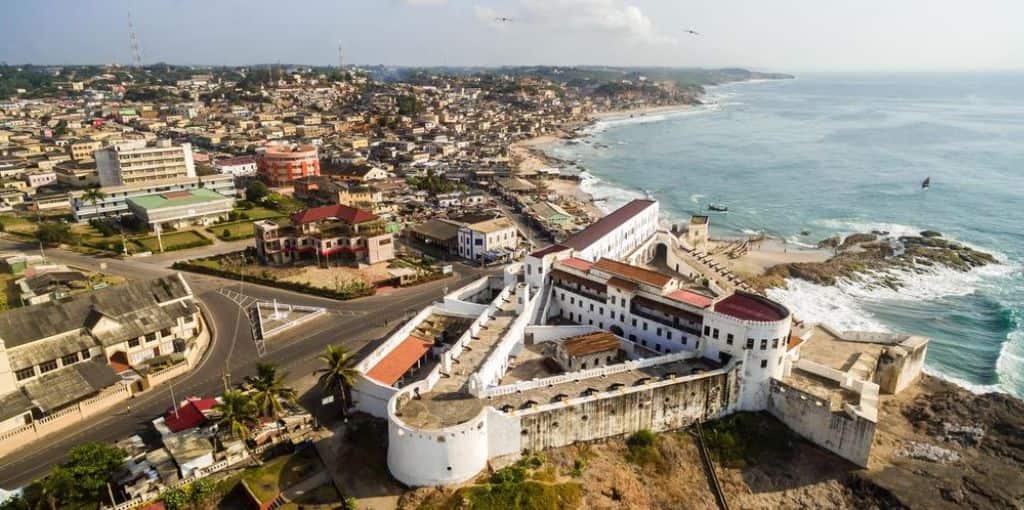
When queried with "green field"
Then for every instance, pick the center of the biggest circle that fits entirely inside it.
(17, 224)
(172, 241)
(237, 230)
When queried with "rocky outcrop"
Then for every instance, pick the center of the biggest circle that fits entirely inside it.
(860, 254)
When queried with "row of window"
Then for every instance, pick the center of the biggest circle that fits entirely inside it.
(150, 337)
(713, 333)
(51, 365)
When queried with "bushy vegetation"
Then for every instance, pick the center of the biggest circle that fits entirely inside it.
(744, 439)
(80, 482)
(643, 447)
(521, 486)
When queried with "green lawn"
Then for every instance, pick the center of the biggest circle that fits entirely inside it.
(260, 213)
(237, 230)
(172, 241)
(17, 224)
(268, 480)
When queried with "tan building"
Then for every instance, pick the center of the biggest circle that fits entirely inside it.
(323, 234)
(136, 163)
(83, 150)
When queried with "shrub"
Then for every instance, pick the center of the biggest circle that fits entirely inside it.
(642, 447)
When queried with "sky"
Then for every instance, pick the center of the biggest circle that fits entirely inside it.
(768, 35)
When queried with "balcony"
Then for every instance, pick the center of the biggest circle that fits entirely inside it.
(661, 319)
(582, 292)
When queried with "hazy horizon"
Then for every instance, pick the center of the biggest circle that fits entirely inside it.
(792, 36)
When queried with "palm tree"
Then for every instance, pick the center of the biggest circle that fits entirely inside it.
(94, 195)
(339, 375)
(269, 390)
(238, 413)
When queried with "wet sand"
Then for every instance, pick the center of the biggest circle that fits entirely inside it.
(764, 254)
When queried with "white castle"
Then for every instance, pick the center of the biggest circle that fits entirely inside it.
(625, 326)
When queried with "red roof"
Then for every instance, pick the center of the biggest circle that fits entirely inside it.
(189, 415)
(397, 362)
(575, 263)
(603, 226)
(690, 298)
(554, 248)
(751, 307)
(344, 213)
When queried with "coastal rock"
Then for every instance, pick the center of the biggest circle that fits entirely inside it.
(875, 258)
(930, 233)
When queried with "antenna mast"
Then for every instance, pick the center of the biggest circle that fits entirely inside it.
(133, 40)
(341, 57)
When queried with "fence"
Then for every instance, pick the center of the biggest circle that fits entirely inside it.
(18, 438)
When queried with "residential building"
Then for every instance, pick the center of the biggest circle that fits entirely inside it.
(243, 166)
(53, 355)
(83, 149)
(280, 164)
(76, 174)
(344, 233)
(133, 163)
(488, 240)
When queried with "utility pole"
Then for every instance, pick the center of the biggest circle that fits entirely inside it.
(159, 240)
(174, 402)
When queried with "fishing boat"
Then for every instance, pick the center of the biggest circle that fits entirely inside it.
(718, 208)
(926, 183)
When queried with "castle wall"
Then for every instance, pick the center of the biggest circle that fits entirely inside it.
(810, 416)
(661, 406)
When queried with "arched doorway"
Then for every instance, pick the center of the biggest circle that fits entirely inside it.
(617, 331)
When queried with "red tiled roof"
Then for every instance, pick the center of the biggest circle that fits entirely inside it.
(189, 415)
(591, 343)
(603, 226)
(575, 263)
(634, 273)
(751, 307)
(554, 248)
(793, 342)
(623, 284)
(690, 298)
(344, 213)
(397, 362)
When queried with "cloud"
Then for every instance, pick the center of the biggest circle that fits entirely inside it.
(611, 17)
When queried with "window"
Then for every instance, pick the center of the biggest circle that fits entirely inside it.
(600, 325)
(133, 342)
(707, 330)
(69, 359)
(668, 334)
(728, 339)
(645, 326)
(150, 337)
(642, 342)
(600, 310)
(764, 343)
(25, 373)
(165, 332)
(572, 301)
(634, 323)
(658, 332)
(85, 354)
(632, 338)
(657, 347)
(714, 333)
(775, 343)
(764, 363)
(750, 343)
(47, 366)
(591, 307)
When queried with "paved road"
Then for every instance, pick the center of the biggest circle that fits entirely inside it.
(356, 324)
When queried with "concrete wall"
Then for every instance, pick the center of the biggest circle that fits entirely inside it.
(659, 406)
(900, 366)
(810, 416)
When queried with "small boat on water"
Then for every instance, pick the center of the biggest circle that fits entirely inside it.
(805, 232)
(718, 208)
(926, 183)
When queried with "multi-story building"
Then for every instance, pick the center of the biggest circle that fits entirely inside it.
(243, 166)
(53, 355)
(492, 239)
(133, 163)
(331, 232)
(181, 209)
(280, 164)
(114, 202)
(75, 174)
(83, 149)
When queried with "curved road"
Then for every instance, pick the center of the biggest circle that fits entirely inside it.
(356, 324)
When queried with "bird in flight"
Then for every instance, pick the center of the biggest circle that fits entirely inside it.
(691, 31)
(503, 19)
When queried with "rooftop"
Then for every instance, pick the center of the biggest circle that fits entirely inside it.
(632, 273)
(178, 199)
(344, 213)
(603, 226)
(751, 307)
(591, 343)
(396, 363)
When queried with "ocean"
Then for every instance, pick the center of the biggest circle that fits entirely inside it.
(842, 153)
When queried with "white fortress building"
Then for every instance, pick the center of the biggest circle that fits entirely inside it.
(623, 327)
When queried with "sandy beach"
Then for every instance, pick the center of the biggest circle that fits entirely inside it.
(763, 254)
(648, 110)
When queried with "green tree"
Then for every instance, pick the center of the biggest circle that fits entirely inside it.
(54, 233)
(15, 503)
(176, 498)
(57, 488)
(238, 414)
(269, 390)
(256, 191)
(338, 376)
(91, 465)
